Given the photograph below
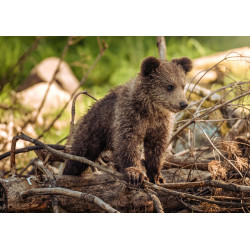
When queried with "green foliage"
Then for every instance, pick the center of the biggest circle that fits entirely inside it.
(119, 63)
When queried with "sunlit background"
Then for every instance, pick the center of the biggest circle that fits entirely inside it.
(118, 64)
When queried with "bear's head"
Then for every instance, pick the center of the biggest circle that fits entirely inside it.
(164, 82)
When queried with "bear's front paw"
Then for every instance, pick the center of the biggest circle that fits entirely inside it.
(157, 179)
(134, 176)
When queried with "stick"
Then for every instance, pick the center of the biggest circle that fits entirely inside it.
(68, 156)
(65, 50)
(205, 113)
(72, 95)
(13, 158)
(149, 184)
(31, 148)
(218, 151)
(156, 200)
(194, 197)
(162, 48)
(73, 110)
(63, 191)
(20, 61)
(231, 187)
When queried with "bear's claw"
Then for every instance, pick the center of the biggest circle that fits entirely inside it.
(134, 176)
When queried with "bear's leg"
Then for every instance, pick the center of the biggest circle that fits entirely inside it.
(127, 153)
(89, 151)
(155, 148)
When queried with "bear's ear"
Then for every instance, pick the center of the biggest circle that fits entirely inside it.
(184, 62)
(149, 65)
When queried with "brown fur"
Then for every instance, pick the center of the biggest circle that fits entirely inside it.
(136, 115)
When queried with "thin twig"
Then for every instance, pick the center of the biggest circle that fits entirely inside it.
(162, 48)
(236, 188)
(218, 151)
(31, 148)
(209, 183)
(212, 93)
(204, 114)
(13, 158)
(74, 92)
(20, 61)
(65, 50)
(206, 71)
(73, 110)
(51, 178)
(194, 197)
(30, 164)
(69, 156)
(156, 200)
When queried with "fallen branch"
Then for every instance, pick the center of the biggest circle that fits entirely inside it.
(209, 183)
(150, 185)
(112, 191)
(156, 200)
(63, 191)
(69, 156)
(195, 197)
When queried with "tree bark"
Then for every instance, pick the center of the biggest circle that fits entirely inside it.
(114, 192)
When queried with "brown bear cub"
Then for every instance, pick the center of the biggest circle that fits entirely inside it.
(135, 116)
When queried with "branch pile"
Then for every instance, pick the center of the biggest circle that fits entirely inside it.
(207, 171)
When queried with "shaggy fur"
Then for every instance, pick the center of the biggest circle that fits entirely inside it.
(136, 115)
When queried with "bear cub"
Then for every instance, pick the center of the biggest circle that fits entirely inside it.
(133, 118)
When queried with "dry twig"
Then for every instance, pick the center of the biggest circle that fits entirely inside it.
(73, 110)
(236, 188)
(74, 92)
(156, 200)
(20, 61)
(162, 48)
(63, 191)
(193, 120)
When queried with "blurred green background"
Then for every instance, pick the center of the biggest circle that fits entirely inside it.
(120, 62)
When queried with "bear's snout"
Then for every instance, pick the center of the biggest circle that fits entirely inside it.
(183, 105)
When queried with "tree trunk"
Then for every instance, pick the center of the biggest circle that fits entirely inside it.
(114, 192)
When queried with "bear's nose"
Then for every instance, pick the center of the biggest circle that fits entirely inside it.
(183, 105)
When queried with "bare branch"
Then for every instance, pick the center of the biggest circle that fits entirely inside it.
(20, 61)
(65, 50)
(195, 197)
(13, 157)
(31, 148)
(73, 110)
(156, 200)
(69, 156)
(63, 191)
(162, 48)
(206, 113)
(74, 92)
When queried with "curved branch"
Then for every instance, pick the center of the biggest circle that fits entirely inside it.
(64, 191)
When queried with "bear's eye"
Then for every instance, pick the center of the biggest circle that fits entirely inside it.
(170, 88)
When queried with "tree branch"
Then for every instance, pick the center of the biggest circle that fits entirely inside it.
(63, 191)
